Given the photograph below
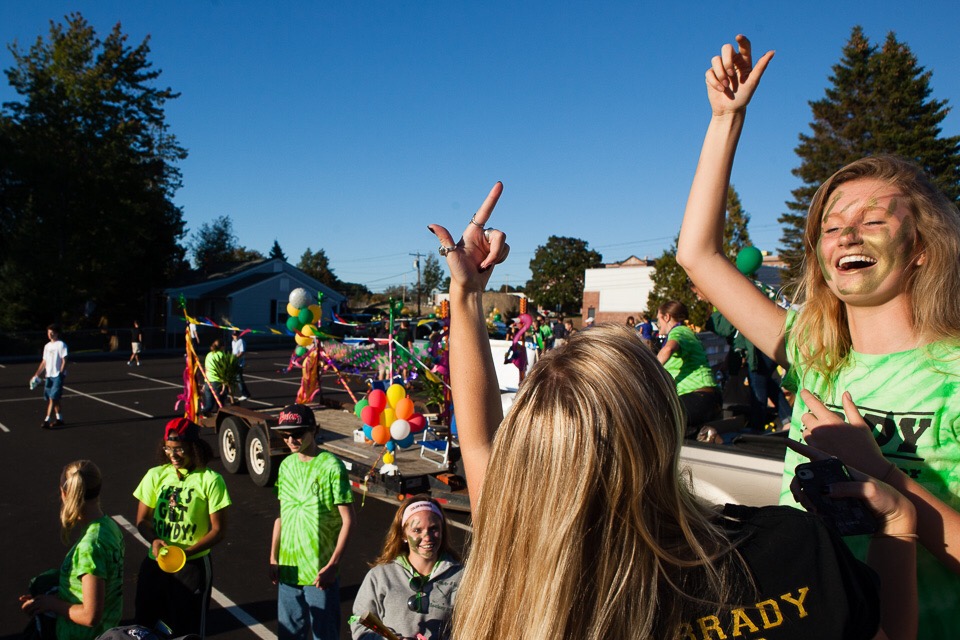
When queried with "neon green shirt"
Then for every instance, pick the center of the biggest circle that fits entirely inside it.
(182, 507)
(309, 492)
(688, 364)
(98, 552)
(911, 399)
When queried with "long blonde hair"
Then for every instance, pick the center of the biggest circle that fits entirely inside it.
(585, 528)
(80, 481)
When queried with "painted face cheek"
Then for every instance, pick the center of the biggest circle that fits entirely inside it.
(822, 261)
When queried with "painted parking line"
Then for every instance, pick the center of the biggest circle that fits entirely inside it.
(180, 386)
(112, 404)
(4, 428)
(218, 596)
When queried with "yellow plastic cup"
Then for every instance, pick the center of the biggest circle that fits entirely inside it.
(171, 559)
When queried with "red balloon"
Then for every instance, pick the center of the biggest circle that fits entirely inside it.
(370, 416)
(381, 435)
(377, 399)
(417, 423)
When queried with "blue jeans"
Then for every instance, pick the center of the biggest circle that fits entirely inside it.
(308, 612)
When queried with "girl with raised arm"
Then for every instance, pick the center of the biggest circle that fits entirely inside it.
(585, 528)
(877, 338)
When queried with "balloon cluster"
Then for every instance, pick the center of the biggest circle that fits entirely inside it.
(303, 319)
(389, 419)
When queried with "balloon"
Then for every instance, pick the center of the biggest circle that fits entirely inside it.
(406, 442)
(368, 432)
(399, 430)
(370, 416)
(388, 458)
(391, 446)
(309, 330)
(749, 260)
(300, 351)
(394, 393)
(377, 399)
(417, 423)
(380, 434)
(360, 405)
(404, 408)
(317, 312)
(305, 316)
(387, 417)
(303, 341)
(293, 323)
(300, 298)
(293, 311)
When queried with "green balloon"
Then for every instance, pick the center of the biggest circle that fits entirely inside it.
(305, 316)
(749, 260)
(294, 324)
(360, 405)
(300, 351)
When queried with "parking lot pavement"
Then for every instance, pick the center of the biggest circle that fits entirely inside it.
(114, 415)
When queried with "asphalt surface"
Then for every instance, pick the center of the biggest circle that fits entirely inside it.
(114, 415)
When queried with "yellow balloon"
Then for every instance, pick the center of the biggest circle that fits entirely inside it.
(387, 417)
(395, 393)
(292, 311)
(303, 341)
(317, 312)
(388, 458)
(309, 330)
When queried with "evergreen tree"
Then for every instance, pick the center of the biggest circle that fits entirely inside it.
(214, 244)
(878, 103)
(431, 277)
(557, 272)
(316, 265)
(736, 236)
(277, 252)
(88, 177)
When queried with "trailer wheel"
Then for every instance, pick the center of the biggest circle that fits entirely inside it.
(260, 465)
(233, 437)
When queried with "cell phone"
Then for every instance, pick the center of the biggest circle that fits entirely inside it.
(849, 516)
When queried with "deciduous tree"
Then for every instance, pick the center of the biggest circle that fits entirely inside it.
(316, 265)
(557, 270)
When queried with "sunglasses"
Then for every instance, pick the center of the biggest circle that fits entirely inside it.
(296, 434)
(176, 450)
(419, 602)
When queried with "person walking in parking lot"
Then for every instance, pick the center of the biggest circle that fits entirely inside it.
(54, 366)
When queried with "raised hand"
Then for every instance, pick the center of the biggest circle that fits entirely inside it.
(851, 441)
(470, 259)
(732, 77)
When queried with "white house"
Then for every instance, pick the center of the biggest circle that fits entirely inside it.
(250, 295)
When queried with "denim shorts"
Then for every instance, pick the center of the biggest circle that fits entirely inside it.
(53, 388)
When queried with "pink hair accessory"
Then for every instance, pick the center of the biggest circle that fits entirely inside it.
(417, 507)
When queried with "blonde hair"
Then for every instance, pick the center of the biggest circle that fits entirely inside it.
(823, 335)
(585, 527)
(394, 542)
(80, 481)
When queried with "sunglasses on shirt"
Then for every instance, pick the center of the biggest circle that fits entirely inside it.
(419, 602)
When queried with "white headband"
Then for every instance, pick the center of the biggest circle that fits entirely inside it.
(416, 507)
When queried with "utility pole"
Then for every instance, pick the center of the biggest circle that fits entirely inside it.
(416, 265)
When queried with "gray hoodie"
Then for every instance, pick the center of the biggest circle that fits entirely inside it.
(386, 589)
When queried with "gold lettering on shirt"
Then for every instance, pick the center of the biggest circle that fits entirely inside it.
(797, 602)
(766, 608)
(711, 623)
(740, 620)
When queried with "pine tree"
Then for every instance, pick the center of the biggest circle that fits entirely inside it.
(736, 236)
(878, 103)
(317, 265)
(277, 252)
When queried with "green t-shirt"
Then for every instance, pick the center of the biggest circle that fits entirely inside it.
(182, 506)
(911, 399)
(309, 493)
(688, 364)
(98, 552)
(210, 364)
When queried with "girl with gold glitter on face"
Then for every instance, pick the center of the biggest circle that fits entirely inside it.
(874, 349)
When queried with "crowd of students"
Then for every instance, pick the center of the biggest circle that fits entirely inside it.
(584, 525)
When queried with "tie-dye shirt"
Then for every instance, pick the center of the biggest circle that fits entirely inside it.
(310, 492)
(911, 400)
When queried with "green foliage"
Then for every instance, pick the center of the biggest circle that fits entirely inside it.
(214, 243)
(735, 233)
(316, 265)
(87, 178)
(878, 103)
(557, 271)
(226, 368)
(277, 252)
(432, 275)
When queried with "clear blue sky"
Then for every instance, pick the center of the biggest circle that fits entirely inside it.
(351, 125)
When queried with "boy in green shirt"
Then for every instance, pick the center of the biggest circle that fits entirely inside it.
(309, 537)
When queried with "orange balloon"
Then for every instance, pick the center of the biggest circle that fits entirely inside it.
(404, 408)
(380, 434)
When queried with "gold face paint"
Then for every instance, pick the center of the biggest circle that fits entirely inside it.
(892, 251)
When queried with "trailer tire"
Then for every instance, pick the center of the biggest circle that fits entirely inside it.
(260, 465)
(233, 440)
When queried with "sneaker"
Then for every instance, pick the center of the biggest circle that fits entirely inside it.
(241, 398)
(46, 424)
(57, 423)
(129, 364)
(138, 363)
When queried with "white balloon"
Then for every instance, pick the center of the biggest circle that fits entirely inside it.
(300, 298)
(400, 429)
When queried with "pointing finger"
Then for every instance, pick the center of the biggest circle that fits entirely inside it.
(851, 411)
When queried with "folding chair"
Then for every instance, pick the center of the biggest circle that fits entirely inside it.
(435, 444)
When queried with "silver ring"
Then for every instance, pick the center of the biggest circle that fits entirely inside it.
(443, 251)
(473, 221)
(486, 233)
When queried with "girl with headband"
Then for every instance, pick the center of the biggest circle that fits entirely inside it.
(412, 584)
